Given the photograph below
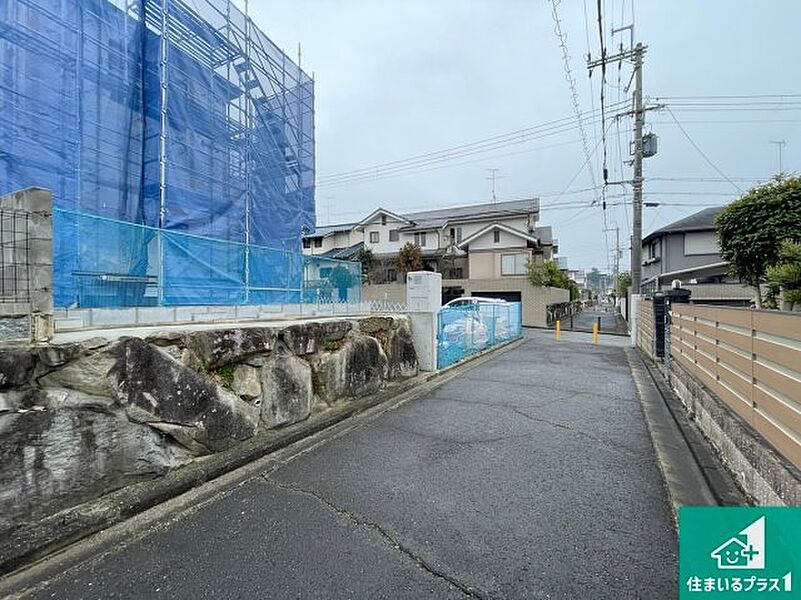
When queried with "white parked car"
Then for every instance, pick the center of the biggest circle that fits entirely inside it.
(472, 301)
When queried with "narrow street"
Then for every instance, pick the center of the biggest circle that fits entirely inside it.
(610, 322)
(530, 475)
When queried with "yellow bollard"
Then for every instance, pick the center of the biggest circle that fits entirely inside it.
(558, 330)
(595, 333)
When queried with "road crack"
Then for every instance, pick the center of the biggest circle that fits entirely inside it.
(581, 432)
(394, 542)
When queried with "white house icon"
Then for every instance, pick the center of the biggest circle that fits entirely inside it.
(746, 550)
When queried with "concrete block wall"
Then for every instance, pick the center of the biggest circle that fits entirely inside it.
(37, 307)
(391, 292)
(77, 319)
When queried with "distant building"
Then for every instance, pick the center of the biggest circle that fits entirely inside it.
(687, 250)
(580, 277)
(480, 249)
(481, 241)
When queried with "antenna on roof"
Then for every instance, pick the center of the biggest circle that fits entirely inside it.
(492, 178)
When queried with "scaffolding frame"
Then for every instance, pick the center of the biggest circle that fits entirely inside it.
(227, 143)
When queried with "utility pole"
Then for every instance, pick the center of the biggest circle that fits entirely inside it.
(635, 55)
(492, 178)
(779, 144)
(616, 263)
(636, 227)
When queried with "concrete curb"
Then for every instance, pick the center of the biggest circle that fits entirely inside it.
(51, 534)
(687, 482)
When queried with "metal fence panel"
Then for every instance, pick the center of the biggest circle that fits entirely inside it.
(120, 265)
(465, 330)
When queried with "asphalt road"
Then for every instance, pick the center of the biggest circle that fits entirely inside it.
(531, 475)
(611, 322)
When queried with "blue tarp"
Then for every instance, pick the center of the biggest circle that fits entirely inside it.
(216, 142)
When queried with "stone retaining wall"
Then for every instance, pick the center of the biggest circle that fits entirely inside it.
(79, 420)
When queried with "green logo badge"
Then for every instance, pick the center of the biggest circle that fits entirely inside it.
(739, 552)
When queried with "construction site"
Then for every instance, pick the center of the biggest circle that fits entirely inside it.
(177, 141)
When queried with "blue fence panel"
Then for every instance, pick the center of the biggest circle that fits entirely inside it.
(465, 330)
(120, 264)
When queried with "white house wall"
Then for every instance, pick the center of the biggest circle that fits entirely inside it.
(487, 241)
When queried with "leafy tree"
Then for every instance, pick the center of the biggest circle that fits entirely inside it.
(750, 230)
(787, 272)
(366, 257)
(410, 258)
(547, 274)
(575, 292)
(623, 284)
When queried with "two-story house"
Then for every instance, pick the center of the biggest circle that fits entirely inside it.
(480, 249)
(687, 250)
(481, 241)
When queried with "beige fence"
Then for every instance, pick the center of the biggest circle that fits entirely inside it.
(751, 359)
(645, 326)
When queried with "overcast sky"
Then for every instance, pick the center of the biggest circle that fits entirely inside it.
(396, 79)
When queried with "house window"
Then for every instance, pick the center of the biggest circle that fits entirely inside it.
(513, 264)
(383, 220)
(318, 242)
(496, 236)
(394, 235)
(307, 243)
(457, 273)
(456, 234)
(392, 275)
(700, 242)
(325, 272)
(373, 237)
(420, 239)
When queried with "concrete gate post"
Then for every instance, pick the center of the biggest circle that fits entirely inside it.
(423, 301)
(634, 308)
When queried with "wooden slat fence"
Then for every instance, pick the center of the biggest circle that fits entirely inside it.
(645, 326)
(751, 359)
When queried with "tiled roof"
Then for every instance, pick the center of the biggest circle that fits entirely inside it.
(703, 220)
(435, 219)
(348, 253)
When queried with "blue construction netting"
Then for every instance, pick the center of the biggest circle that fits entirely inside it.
(465, 330)
(179, 116)
(114, 266)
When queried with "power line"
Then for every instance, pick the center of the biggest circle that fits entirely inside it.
(437, 165)
(603, 82)
(415, 166)
(710, 179)
(730, 96)
(728, 121)
(701, 152)
(509, 138)
(572, 83)
(375, 173)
